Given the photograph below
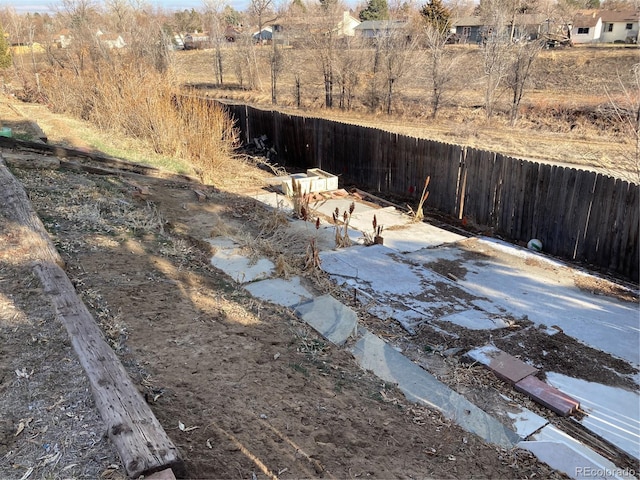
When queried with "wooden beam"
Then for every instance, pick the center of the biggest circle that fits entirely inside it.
(22, 160)
(141, 442)
(95, 156)
(17, 208)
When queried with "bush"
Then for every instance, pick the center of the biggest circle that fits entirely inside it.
(129, 98)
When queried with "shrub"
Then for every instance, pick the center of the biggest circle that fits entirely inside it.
(128, 98)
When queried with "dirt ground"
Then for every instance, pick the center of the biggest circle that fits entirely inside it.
(258, 393)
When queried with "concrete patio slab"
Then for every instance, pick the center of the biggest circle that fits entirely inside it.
(566, 454)
(548, 396)
(415, 236)
(475, 320)
(419, 386)
(333, 320)
(523, 283)
(612, 413)
(288, 293)
(503, 365)
(526, 422)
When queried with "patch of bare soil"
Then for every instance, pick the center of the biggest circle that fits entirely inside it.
(49, 426)
(258, 394)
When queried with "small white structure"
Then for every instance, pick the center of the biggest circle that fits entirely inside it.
(315, 180)
(346, 26)
(587, 27)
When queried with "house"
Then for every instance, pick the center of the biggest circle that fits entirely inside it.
(298, 30)
(379, 28)
(469, 29)
(619, 26)
(264, 36)
(524, 26)
(346, 27)
(111, 40)
(605, 26)
(231, 33)
(25, 48)
(587, 27)
(529, 26)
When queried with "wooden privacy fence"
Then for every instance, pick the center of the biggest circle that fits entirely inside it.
(577, 214)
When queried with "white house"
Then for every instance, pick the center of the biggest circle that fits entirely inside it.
(63, 38)
(619, 26)
(346, 26)
(605, 26)
(587, 27)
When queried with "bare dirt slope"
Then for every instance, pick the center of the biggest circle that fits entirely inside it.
(256, 392)
(244, 389)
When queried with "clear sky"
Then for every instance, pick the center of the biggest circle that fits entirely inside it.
(43, 6)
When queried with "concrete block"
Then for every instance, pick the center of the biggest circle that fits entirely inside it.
(162, 475)
(566, 454)
(548, 396)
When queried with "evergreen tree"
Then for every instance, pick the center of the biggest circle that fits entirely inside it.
(436, 15)
(376, 10)
(5, 53)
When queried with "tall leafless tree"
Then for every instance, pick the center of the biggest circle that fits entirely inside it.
(214, 14)
(523, 54)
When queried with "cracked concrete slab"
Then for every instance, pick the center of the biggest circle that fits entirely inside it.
(287, 293)
(333, 320)
(568, 455)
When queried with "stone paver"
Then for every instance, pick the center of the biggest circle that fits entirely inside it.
(503, 365)
(419, 386)
(548, 396)
(288, 293)
(333, 320)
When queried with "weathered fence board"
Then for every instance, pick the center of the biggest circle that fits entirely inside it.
(576, 214)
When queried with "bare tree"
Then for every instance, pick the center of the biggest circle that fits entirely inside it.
(523, 54)
(496, 45)
(626, 110)
(214, 14)
(276, 61)
(348, 67)
(435, 19)
(263, 12)
(394, 53)
(441, 65)
(324, 42)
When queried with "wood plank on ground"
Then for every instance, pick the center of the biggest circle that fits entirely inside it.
(141, 442)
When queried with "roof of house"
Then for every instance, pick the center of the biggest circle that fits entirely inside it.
(586, 18)
(523, 19)
(625, 16)
(474, 21)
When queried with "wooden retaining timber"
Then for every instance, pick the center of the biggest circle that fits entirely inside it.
(141, 442)
(74, 153)
(578, 215)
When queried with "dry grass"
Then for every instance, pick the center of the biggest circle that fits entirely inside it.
(563, 113)
(145, 104)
